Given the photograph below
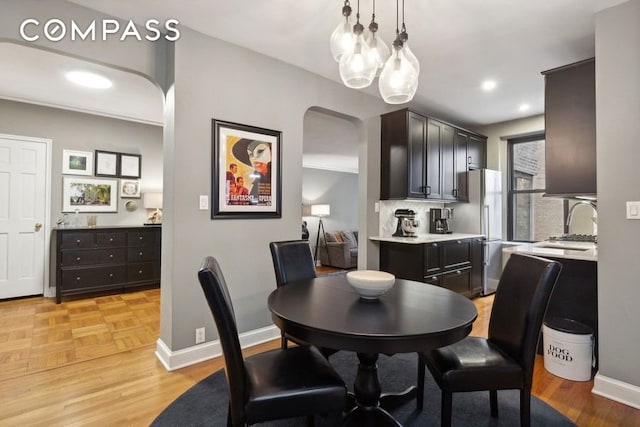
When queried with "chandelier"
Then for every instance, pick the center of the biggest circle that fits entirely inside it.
(363, 57)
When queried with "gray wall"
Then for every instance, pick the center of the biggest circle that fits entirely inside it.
(248, 88)
(85, 132)
(618, 151)
(338, 189)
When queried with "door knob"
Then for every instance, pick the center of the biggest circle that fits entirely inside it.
(38, 226)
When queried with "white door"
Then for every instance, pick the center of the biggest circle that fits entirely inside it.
(23, 163)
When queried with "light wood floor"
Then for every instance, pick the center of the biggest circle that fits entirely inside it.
(92, 363)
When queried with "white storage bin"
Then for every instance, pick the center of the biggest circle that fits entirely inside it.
(568, 349)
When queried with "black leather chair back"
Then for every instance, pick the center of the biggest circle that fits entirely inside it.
(217, 295)
(292, 260)
(519, 306)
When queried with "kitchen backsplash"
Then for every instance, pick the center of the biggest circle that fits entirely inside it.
(388, 221)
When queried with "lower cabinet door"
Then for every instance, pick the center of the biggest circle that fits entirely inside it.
(143, 272)
(457, 280)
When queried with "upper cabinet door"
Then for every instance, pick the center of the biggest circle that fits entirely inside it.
(477, 152)
(570, 129)
(435, 137)
(417, 155)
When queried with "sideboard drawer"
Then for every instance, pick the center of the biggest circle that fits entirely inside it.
(86, 278)
(79, 239)
(93, 257)
(111, 239)
(143, 238)
(143, 253)
(143, 271)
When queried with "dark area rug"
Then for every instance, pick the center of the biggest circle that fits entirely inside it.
(205, 404)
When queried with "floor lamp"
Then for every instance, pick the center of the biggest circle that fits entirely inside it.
(320, 211)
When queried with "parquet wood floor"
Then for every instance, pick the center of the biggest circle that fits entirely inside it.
(92, 363)
(38, 334)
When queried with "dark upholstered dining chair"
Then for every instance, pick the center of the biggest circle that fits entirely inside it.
(293, 261)
(506, 358)
(275, 384)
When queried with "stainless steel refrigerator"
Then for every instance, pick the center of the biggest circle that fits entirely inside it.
(483, 215)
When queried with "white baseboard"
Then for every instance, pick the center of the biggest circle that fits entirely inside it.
(616, 390)
(173, 360)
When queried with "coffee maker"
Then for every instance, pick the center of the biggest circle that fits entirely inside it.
(407, 223)
(439, 220)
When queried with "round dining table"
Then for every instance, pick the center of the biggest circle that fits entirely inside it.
(411, 317)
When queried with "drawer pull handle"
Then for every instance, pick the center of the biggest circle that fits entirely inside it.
(435, 245)
(434, 278)
(139, 271)
(78, 259)
(458, 272)
(140, 253)
(459, 241)
(77, 277)
(78, 242)
(111, 239)
(111, 256)
(140, 237)
(110, 274)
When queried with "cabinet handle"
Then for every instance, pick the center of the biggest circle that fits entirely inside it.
(458, 272)
(77, 278)
(111, 256)
(140, 254)
(110, 274)
(435, 245)
(459, 241)
(428, 190)
(139, 271)
(111, 239)
(455, 192)
(469, 159)
(78, 242)
(78, 259)
(434, 277)
(140, 237)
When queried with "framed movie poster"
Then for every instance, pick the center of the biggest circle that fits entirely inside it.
(246, 168)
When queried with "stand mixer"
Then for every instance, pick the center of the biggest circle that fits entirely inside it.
(407, 223)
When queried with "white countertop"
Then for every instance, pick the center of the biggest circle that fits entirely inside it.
(585, 251)
(425, 238)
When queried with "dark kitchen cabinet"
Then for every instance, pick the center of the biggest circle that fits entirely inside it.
(423, 158)
(570, 130)
(449, 264)
(90, 261)
(477, 265)
(477, 151)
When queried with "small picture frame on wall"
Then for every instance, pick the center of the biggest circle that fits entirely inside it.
(130, 188)
(107, 163)
(77, 162)
(130, 165)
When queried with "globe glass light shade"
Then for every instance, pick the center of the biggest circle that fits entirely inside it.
(399, 79)
(378, 51)
(413, 60)
(356, 68)
(342, 38)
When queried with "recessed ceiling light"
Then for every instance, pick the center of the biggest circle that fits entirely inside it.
(524, 107)
(89, 79)
(489, 85)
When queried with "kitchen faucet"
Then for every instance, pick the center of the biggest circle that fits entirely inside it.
(573, 208)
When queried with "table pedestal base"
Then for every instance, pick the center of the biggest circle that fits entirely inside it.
(370, 407)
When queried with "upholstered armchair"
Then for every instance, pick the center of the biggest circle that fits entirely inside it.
(340, 249)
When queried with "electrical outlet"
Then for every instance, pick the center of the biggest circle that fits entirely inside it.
(199, 335)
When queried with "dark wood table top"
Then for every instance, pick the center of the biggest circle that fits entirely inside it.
(410, 317)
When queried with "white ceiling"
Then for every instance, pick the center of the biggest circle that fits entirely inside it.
(459, 43)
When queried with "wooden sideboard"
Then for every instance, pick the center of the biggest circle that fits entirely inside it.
(89, 261)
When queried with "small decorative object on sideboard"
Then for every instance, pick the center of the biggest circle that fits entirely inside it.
(153, 201)
(371, 284)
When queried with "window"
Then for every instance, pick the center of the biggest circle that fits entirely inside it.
(531, 216)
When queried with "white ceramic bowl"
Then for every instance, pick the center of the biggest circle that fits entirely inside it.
(370, 284)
